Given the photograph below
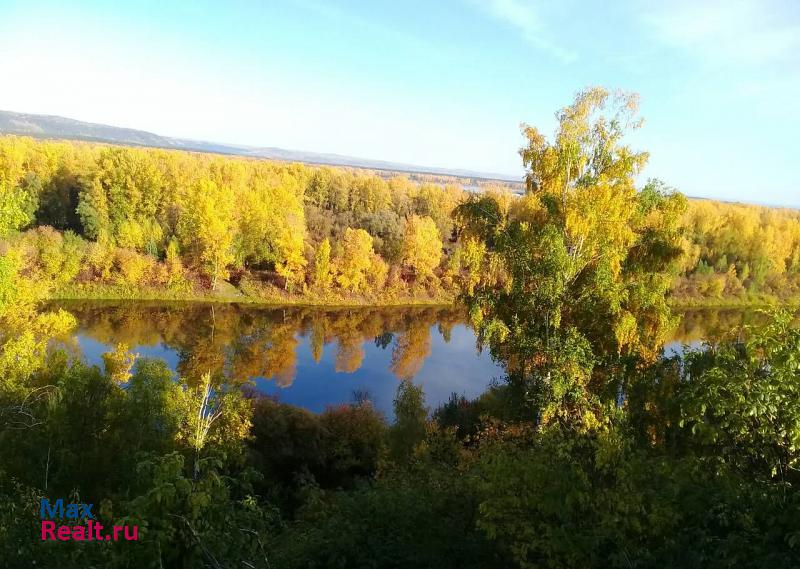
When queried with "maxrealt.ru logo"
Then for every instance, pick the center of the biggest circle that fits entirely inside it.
(76, 522)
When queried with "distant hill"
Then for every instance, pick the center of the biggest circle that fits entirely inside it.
(48, 126)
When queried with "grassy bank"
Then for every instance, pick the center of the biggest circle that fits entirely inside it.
(271, 296)
(228, 293)
(754, 301)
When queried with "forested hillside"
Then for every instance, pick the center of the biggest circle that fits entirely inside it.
(121, 222)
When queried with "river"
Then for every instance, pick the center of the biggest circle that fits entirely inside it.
(316, 357)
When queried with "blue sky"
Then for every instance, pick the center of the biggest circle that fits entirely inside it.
(437, 83)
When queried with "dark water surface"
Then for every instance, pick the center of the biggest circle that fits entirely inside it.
(316, 357)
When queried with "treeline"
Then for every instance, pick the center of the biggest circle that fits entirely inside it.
(736, 251)
(106, 220)
(135, 217)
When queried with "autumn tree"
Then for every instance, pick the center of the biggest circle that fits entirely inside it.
(25, 331)
(15, 208)
(470, 256)
(119, 362)
(272, 224)
(436, 202)
(422, 246)
(123, 199)
(281, 360)
(578, 270)
(378, 273)
(322, 266)
(413, 346)
(354, 260)
(761, 244)
(350, 350)
(208, 229)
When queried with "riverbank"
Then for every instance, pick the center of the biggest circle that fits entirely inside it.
(750, 302)
(230, 294)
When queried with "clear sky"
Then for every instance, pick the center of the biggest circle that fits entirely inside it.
(430, 82)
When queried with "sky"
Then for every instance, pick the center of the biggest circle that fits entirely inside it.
(443, 83)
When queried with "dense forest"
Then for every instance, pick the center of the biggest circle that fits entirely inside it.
(115, 222)
(132, 219)
(737, 251)
(595, 451)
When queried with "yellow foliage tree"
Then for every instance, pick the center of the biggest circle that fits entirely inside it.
(322, 266)
(354, 259)
(209, 228)
(119, 362)
(422, 246)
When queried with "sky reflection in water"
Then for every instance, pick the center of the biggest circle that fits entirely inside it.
(315, 357)
(308, 357)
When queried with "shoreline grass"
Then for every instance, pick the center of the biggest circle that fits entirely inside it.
(734, 303)
(234, 295)
(115, 293)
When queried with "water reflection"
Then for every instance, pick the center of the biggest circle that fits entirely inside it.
(315, 357)
(711, 325)
(307, 356)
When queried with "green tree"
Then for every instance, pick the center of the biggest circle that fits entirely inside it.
(742, 401)
(411, 416)
(576, 271)
(14, 208)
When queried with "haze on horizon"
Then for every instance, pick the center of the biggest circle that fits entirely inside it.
(441, 84)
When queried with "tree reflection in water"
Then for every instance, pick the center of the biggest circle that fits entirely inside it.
(240, 342)
(336, 351)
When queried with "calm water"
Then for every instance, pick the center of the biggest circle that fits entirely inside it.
(711, 325)
(314, 357)
(310, 357)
